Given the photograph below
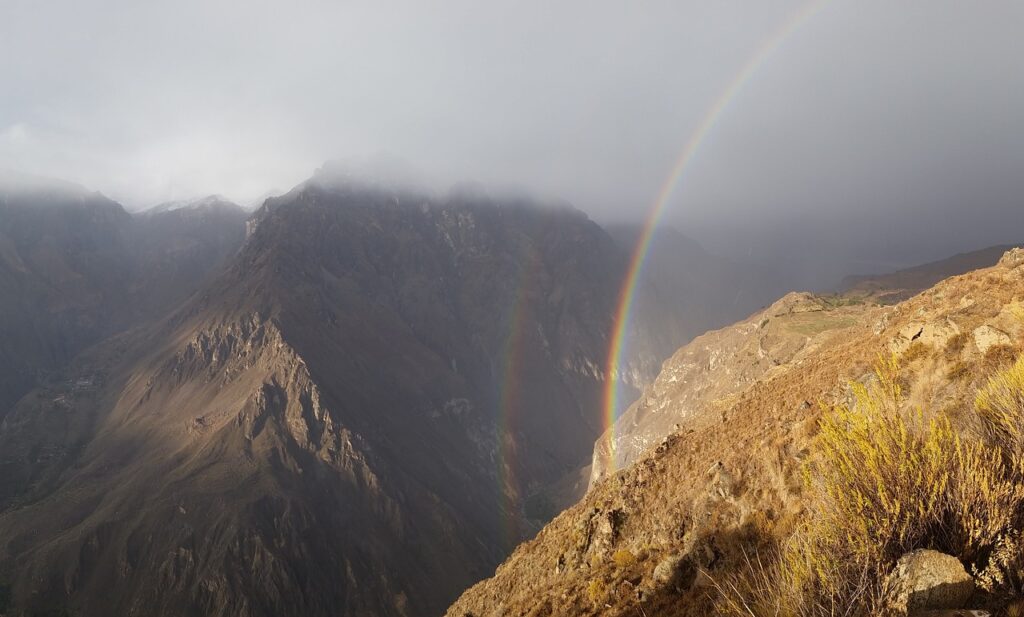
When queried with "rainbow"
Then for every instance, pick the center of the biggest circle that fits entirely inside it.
(624, 307)
(509, 402)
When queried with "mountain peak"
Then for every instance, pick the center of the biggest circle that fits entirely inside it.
(197, 203)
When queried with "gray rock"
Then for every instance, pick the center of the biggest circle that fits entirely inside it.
(676, 570)
(925, 580)
(1013, 258)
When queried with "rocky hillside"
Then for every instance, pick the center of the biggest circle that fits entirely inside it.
(653, 538)
(76, 268)
(348, 419)
(710, 373)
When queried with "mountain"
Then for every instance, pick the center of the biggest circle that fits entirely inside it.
(716, 493)
(63, 275)
(348, 417)
(902, 284)
(177, 247)
(76, 268)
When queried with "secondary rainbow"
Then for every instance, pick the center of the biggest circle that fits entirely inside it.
(639, 255)
(510, 400)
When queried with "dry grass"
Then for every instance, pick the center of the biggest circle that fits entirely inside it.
(1000, 405)
(956, 344)
(916, 351)
(998, 356)
(886, 480)
(959, 371)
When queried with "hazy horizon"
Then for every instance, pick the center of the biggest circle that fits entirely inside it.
(867, 132)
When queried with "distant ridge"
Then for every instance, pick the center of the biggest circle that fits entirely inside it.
(902, 284)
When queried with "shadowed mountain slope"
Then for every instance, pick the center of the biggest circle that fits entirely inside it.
(76, 268)
(347, 420)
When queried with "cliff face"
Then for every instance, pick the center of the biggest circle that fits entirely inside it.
(651, 538)
(349, 419)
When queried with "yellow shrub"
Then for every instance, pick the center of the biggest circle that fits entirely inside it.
(887, 480)
(623, 558)
(597, 591)
(1001, 407)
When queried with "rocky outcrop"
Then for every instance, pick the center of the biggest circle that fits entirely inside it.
(926, 580)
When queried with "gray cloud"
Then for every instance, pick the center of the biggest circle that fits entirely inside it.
(906, 113)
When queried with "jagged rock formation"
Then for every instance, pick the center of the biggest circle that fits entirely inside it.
(347, 420)
(651, 539)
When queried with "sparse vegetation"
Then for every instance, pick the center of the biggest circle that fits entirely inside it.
(999, 356)
(1000, 405)
(885, 480)
(623, 558)
(960, 371)
(956, 344)
(916, 351)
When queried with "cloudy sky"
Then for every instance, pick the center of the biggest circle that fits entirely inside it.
(908, 112)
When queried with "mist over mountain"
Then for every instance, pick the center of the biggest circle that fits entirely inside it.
(76, 268)
(386, 379)
(511, 309)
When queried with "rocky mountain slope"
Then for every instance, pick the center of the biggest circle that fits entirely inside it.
(653, 538)
(75, 268)
(348, 419)
(710, 373)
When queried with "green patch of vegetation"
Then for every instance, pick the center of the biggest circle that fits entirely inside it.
(839, 300)
(5, 598)
(811, 324)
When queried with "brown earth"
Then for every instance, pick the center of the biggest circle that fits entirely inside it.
(651, 539)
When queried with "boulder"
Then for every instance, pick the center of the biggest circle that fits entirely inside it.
(987, 337)
(927, 580)
(1012, 258)
(675, 571)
